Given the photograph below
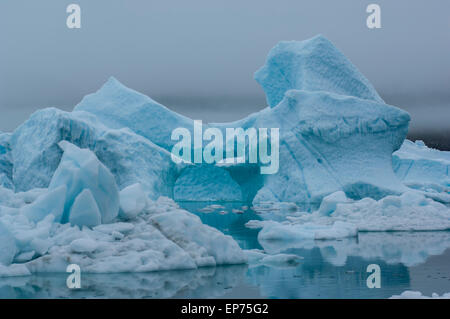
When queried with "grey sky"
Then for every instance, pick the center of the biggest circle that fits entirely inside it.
(204, 48)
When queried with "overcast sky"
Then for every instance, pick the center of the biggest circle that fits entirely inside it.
(204, 48)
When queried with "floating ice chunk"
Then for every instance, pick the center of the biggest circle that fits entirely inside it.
(84, 211)
(8, 247)
(79, 170)
(254, 256)
(311, 65)
(330, 202)
(408, 294)
(206, 183)
(272, 230)
(5, 181)
(133, 200)
(51, 202)
(411, 211)
(14, 270)
(421, 167)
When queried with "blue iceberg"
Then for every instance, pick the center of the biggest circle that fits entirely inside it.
(96, 186)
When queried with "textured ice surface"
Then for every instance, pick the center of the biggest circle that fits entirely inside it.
(311, 65)
(421, 167)
(272, 230)
(331, 142)
(134, 159)
(80, 170)
(120, 107)
(206, 183)
(35, 147)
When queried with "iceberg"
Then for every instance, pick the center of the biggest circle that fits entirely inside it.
(120, 107)
(96, 186)
(35, 147)
(328, 143)
(311, 65)
(424, 168)
(410, 211)
(5, 161)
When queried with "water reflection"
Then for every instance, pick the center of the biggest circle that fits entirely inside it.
(201, 283)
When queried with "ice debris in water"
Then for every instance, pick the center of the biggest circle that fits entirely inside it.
(340, 217)
(409, 294)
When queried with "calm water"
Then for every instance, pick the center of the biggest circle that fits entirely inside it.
(330, 269)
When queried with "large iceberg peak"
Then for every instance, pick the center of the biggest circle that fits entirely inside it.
(311, 65)
(118, 107)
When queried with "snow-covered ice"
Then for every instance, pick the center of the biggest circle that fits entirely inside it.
(161, 237)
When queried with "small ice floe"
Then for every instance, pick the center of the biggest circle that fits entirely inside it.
(418, 295)
(257, 257)
(210, 208)
(206, 210)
